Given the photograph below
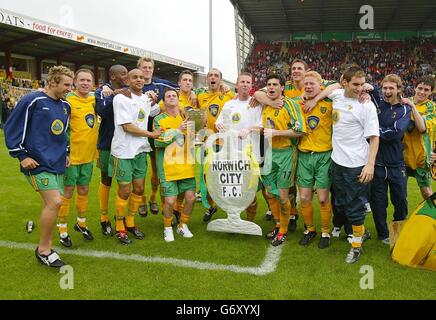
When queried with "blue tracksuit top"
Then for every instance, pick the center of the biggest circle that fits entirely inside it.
(393, 122)
(37, 129)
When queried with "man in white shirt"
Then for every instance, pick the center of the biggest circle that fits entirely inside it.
(127, 161)
(353, 158)
(237, 116)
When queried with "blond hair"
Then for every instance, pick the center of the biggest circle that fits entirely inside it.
(145, 59)
(313, 74)
(395, 79)
(55, 73)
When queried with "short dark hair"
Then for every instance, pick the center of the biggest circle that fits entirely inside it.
(427, 80)
(306, 67)
(353, 71)
(276, 76)
(185, 72)
(169, 89)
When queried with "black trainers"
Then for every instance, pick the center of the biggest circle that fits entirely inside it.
(143, 211)
(154, 207)
(272, 234)
(51, 260)
(65, 241)
(324, 242)
(353, 255)
(208, 214)
(279, 239)
(292, 226)
(86, 233)
(122, 237)
(307, 237)
(138, 234)
(106, 228)
(176, 221)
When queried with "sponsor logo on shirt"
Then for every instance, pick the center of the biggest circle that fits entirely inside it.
(57, 127)
(270, 123)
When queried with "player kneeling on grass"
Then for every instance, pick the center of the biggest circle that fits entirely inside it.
(127, 162)
(175, 164)
(83, 133)
(36, 134)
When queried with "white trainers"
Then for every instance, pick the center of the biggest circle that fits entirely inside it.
(168, 234)
(386, 241)
(184, 231)
(336, 232)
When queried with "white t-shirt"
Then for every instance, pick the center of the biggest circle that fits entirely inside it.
(353, 123)
(135, 111)
(237, 115)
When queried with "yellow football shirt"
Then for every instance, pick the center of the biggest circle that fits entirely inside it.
(174, 159)
(291, 91)
(418, 146)
(286, 118)
(213, 103)
(319, 127)
(83, 129)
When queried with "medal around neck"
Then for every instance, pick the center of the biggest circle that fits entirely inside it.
(232, 176)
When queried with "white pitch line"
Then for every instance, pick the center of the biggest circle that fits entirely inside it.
(268, 265)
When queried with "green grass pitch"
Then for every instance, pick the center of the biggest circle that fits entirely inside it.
(301, 273)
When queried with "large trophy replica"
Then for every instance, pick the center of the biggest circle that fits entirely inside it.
(232, 175)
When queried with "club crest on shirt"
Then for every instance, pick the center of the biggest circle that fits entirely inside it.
(65, 111)
(141, 115)
(312, 122)
(236, 117)
(270, 123)
(90, 120)
(57, 127)
(213, 109)
(44, 182)
(335, 116)
(276, 113)
(411, 126)
(323, 110)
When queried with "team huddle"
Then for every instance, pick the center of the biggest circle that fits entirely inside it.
(345, 140)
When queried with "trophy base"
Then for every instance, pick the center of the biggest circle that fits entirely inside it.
(234, 226)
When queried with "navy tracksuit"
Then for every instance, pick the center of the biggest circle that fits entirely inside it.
(390, 170)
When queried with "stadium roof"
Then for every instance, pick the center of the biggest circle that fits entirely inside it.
(28, 36)
(288, 16)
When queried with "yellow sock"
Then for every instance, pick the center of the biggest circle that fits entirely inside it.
(135, 202)
(307, 213)
(130, 221)
(120, 207)
(184, 218)
(285, 212)
(63, 228)
(358, 232)
(178, 206)
(326, 217)
(293, 210)
(81, 222)
(119, 226)
(64, 211)
(167, 221)
(274, 206)
(81, 205)
(251, 210)
(104, 218)
(103, 192)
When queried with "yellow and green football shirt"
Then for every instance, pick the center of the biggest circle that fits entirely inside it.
(418, 146)
(286, 118)
(184, 102)
(319, 127)
(212, 103)
(83, 129)
(174, 159)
